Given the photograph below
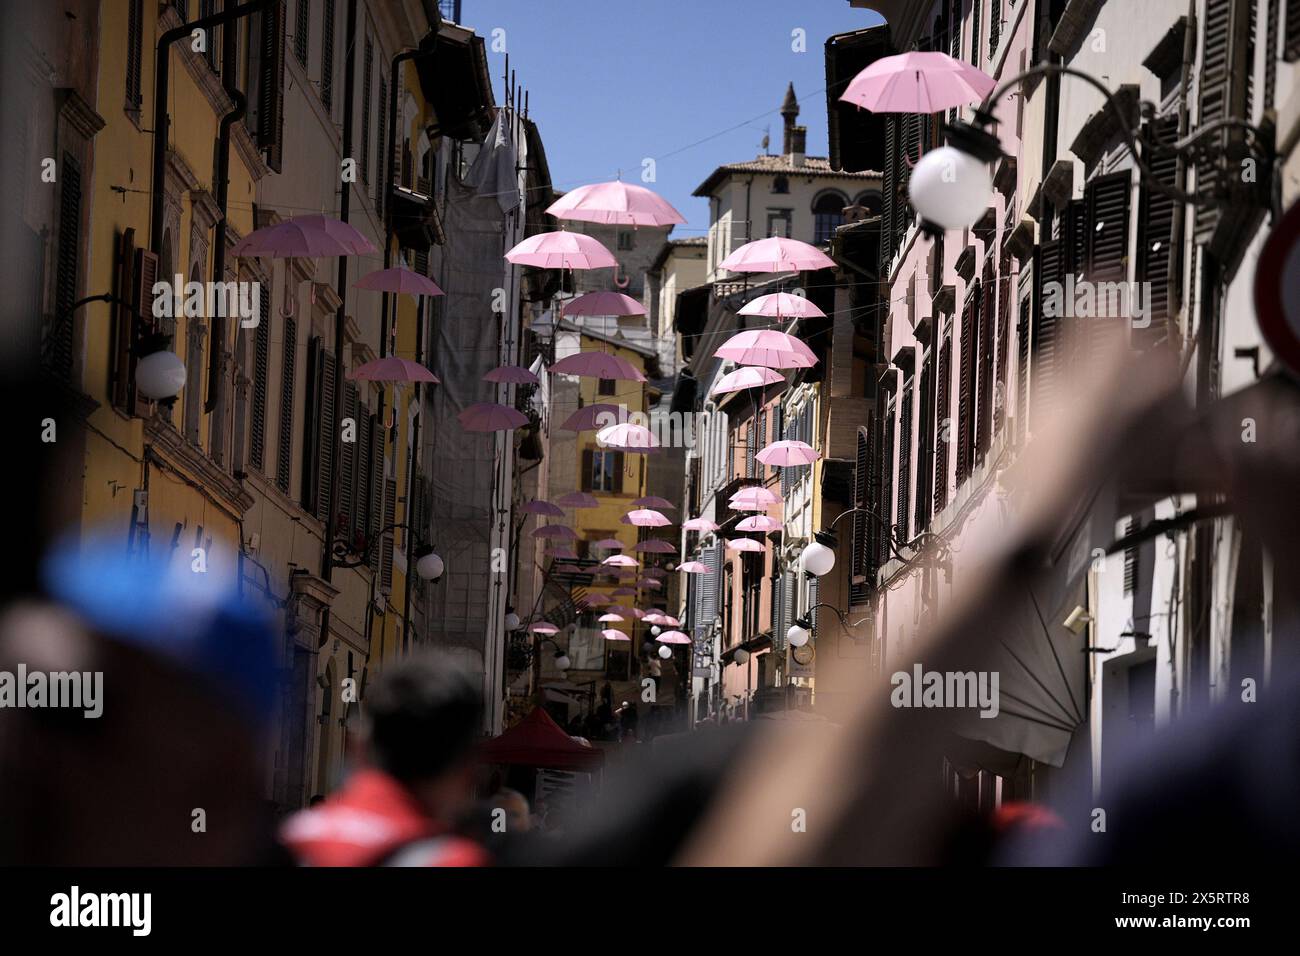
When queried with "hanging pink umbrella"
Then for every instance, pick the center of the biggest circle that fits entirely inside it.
(541, 627)
(539, 507)
(782, 305)
(615, 203)
(672, 621)
(654, 616)
(747, 376)
(628, 436)
(392, 369)
(647, 518)
(610, 634)
(620, 561)
(673, 637)
(755, 493)
(511, 375)
(555, 531)
(654, 546)
(596, 600)
(599, 365)
(653, 501)
(777, 254)
(400, 280)
(591, 417)
(304, 237)
(577, 499)
(917, 82)
(604, 304)
(758, 523)
(699, 524)
(744, 544)
(562, 551)
(562, 250)
(490, 417)
(650, 583)
(787, 454)
(609, 544)
(694, 567)
(569, 569)
(623, 592)
(610, 618)
(767, 347)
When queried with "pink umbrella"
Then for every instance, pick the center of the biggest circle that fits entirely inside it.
(609, 544)
(673, 637)
(787, 454)
(398, 279)
(694, 567)
(699, 524)
(304, 237)
(599, 365)
(654, 546)
(672, 621)
(610, 618)
(744, 544)
(585, 419)
(540, 507)
(490, 417)
(511, 375)
(654, 616)
(649, 583)
(777, 254)
(755, 493)
(561, 250)
(626, 435)
(604, 303)
(758, 523)
(562, 551)
(615, 203)
(917, 82)
(569, 569)
(623, 592)
(647, 518)
(392, 369)
(541, 627)
(782, 305)
(610, 634)
(555, 531)
(620, 561)
(577, 499)
(747, 376)
(653, 501)
(767, 347)
(596, 600)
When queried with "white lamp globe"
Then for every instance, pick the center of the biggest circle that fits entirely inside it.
(562, 662)
(741, 656)
(950, 187)
(512, 619)
(665, 651)
(817, 559)
(160, 375)
(430, 567)
(656, 630)
(797, 635)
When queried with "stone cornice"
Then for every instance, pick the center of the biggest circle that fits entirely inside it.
(79, 114)
(325, 301)
(180, 174)
(317, 592)
(170, 445)
(205, 208)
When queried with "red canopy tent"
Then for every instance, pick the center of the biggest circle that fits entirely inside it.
(538, 741)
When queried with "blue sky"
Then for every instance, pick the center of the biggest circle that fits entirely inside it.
(693, 84)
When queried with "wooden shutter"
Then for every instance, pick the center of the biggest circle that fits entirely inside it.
(348, 464)
(1291, 38)
(1130, 558)
(889, 192)
(975, 34)
(943, 410)
(302, 32)
(859, 559)
(1075, 233)
(367, 71)
(925, 447)
(134, 50)
(58, 348)
(1047, 344)
(1156, 247)
(284, 449)
(327, 59)
(1220, 98)
(885, 506)
(619, 465)
(995, 27)
(966, 382)
(1022, 367)
(707, 608)
(381, 132)
(270, 87)
(588, 463)
(984, 408)
(323, 428)
(365, 457)
(386, 543)
(374, 518)
(261, 368)
(1108, 226)
(901, 517)
(1000, 390)
(751, 432)
(124, 318)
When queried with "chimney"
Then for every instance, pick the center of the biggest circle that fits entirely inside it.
(797, 139)
(789, 113)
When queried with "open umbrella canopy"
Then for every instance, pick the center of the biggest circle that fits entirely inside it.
(490, 417)
(787, 454)
(615, 203)
(747, 376)
(610, 634)
(699, 524)
(609, 544)
(511, 375)
(555, 531)
(647, 518)
(758, 523)
(590, 417)
(654, 546)
(596, 600)
(782, 305)
(694, 567)
(917, 82)
(754, 494)
(569, 569)
(392, 369)
(767, 347)
(603, 304)
(652, 583)
(304, 237)
(542, 627)
(562, 250)
(673, 637)
(599, 365)
(610, 618)
(620, 561)
(653, 501)
(577, 499)
(627, 435)
(623, 592)
(539, 507)
(562, 551)
(777, 254)
(744, 544)
(398, 279)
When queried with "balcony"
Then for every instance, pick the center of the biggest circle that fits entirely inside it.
(415, 217)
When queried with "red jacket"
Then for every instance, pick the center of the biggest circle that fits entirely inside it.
(374, 821)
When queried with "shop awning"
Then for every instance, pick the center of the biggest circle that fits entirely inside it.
(538, 741)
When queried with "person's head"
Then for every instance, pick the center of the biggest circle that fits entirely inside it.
(422, 718)
(515, 805)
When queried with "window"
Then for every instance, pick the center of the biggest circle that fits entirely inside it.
(206, 9)
(327, 58)
(284, 449)
(870, 201)
(602, 470)
(58, 347)
(607, 386)
(781, 185)
(828, 215)
(134, 44)
(626, 240)
(302, 31)
(367, 71)
(778, 223)
(381, 161)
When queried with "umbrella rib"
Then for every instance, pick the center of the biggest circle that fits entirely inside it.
(1044, 723)
(1034, 677)
(1047, 716)
(1059, 666)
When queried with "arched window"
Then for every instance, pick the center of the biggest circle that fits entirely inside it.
(870, 201)
(828, 215)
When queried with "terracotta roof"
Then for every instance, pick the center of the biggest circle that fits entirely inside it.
(773, 165)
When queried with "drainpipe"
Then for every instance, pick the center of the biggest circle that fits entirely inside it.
(413, 457)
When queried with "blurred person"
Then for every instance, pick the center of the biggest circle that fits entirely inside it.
(416, 779)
